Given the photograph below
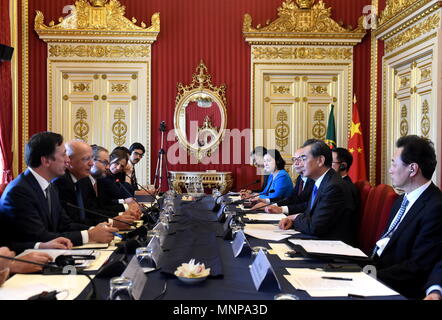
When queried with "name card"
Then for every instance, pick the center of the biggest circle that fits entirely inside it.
(263, 274)
(221, 213)
(240, 244)
(154, 244)
(135, 273)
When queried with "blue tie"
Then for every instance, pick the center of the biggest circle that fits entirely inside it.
(397, 219)
(394, 224)
(315, 191)
(80, 201)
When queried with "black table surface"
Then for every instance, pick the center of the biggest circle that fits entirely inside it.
(235, 281)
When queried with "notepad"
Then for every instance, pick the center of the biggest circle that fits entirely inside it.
(312, 281)
(337, 248)
(268, 232)
(265, 216)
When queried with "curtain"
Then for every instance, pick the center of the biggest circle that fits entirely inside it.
(5, 98)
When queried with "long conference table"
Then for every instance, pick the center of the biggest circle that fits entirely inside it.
(195, 233)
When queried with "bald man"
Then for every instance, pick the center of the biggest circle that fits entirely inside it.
(73, 188)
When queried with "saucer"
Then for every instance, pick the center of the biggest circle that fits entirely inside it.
(192, 280)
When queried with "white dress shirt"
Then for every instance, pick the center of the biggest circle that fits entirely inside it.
(44, 184)
(412, 197)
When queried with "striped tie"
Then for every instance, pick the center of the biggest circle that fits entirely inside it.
(394, 224)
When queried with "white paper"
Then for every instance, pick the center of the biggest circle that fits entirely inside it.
(54, 253)
(268, 232)
(154, 244)
(135, 273)
(311, 281)
(328, 247)
(280, 249)
(266, 216)
(260, 268)
(23, 286)
(238, 243)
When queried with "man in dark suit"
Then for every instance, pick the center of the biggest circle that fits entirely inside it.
(330, 212)
(342, 161)
(136, 153)
(30, 210)
(298, 200)
(409, 246)
(434, 283)
(75, 188)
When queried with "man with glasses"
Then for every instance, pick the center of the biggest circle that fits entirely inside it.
(330, 210)
(136, 153)
(297, 202)
(73, 189)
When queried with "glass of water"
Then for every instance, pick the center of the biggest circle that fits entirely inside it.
(144, 257)
(121, 289)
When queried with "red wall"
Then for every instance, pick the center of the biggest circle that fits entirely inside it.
(192, 30)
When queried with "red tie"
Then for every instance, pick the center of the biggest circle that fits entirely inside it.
(301, 187)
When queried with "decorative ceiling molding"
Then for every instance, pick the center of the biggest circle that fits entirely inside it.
(99, 18)
(303, 20)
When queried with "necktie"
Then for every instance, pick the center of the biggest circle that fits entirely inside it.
(315, 191)
(301, 186)
(95, 189)
(133, 179)
(80, 203)
(394, 224)
(397, 219)
(48, 198)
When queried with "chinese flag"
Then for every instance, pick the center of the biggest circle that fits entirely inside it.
(356, 147)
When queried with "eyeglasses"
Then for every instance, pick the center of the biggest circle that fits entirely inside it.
(139, 154)
(103, 162)
(299, 159)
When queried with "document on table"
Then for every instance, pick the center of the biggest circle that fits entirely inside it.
(92, 246)
(280, 250)
(265, 216)
(54, 253)
(268, 232)
(312, 281)
(328, 247)
(23, 286)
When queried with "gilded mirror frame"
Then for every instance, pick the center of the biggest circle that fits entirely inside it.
(201, 89)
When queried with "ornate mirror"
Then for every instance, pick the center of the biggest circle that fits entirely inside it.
(200, 114)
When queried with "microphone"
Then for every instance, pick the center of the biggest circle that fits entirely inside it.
(143, 208)
(58, 267)
(140, 186)
(99, 214)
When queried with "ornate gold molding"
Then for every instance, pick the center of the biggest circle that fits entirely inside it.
(282, 130)
(394, 7)
(413, 33)
(101, 17)
(373, 104)
(404, 121)
(425, 122)
(302, 53)
(407, 12)
(25, 78)
(302, 20)
(99, 51)
(319, 128)
(119, 127)
(200, 80)
(81, 127)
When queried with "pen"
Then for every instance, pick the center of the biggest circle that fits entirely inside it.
(117, 235)
(337, 278)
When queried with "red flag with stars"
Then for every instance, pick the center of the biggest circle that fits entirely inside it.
(358, 169)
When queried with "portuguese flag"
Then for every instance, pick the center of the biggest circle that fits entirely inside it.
(330, 139)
